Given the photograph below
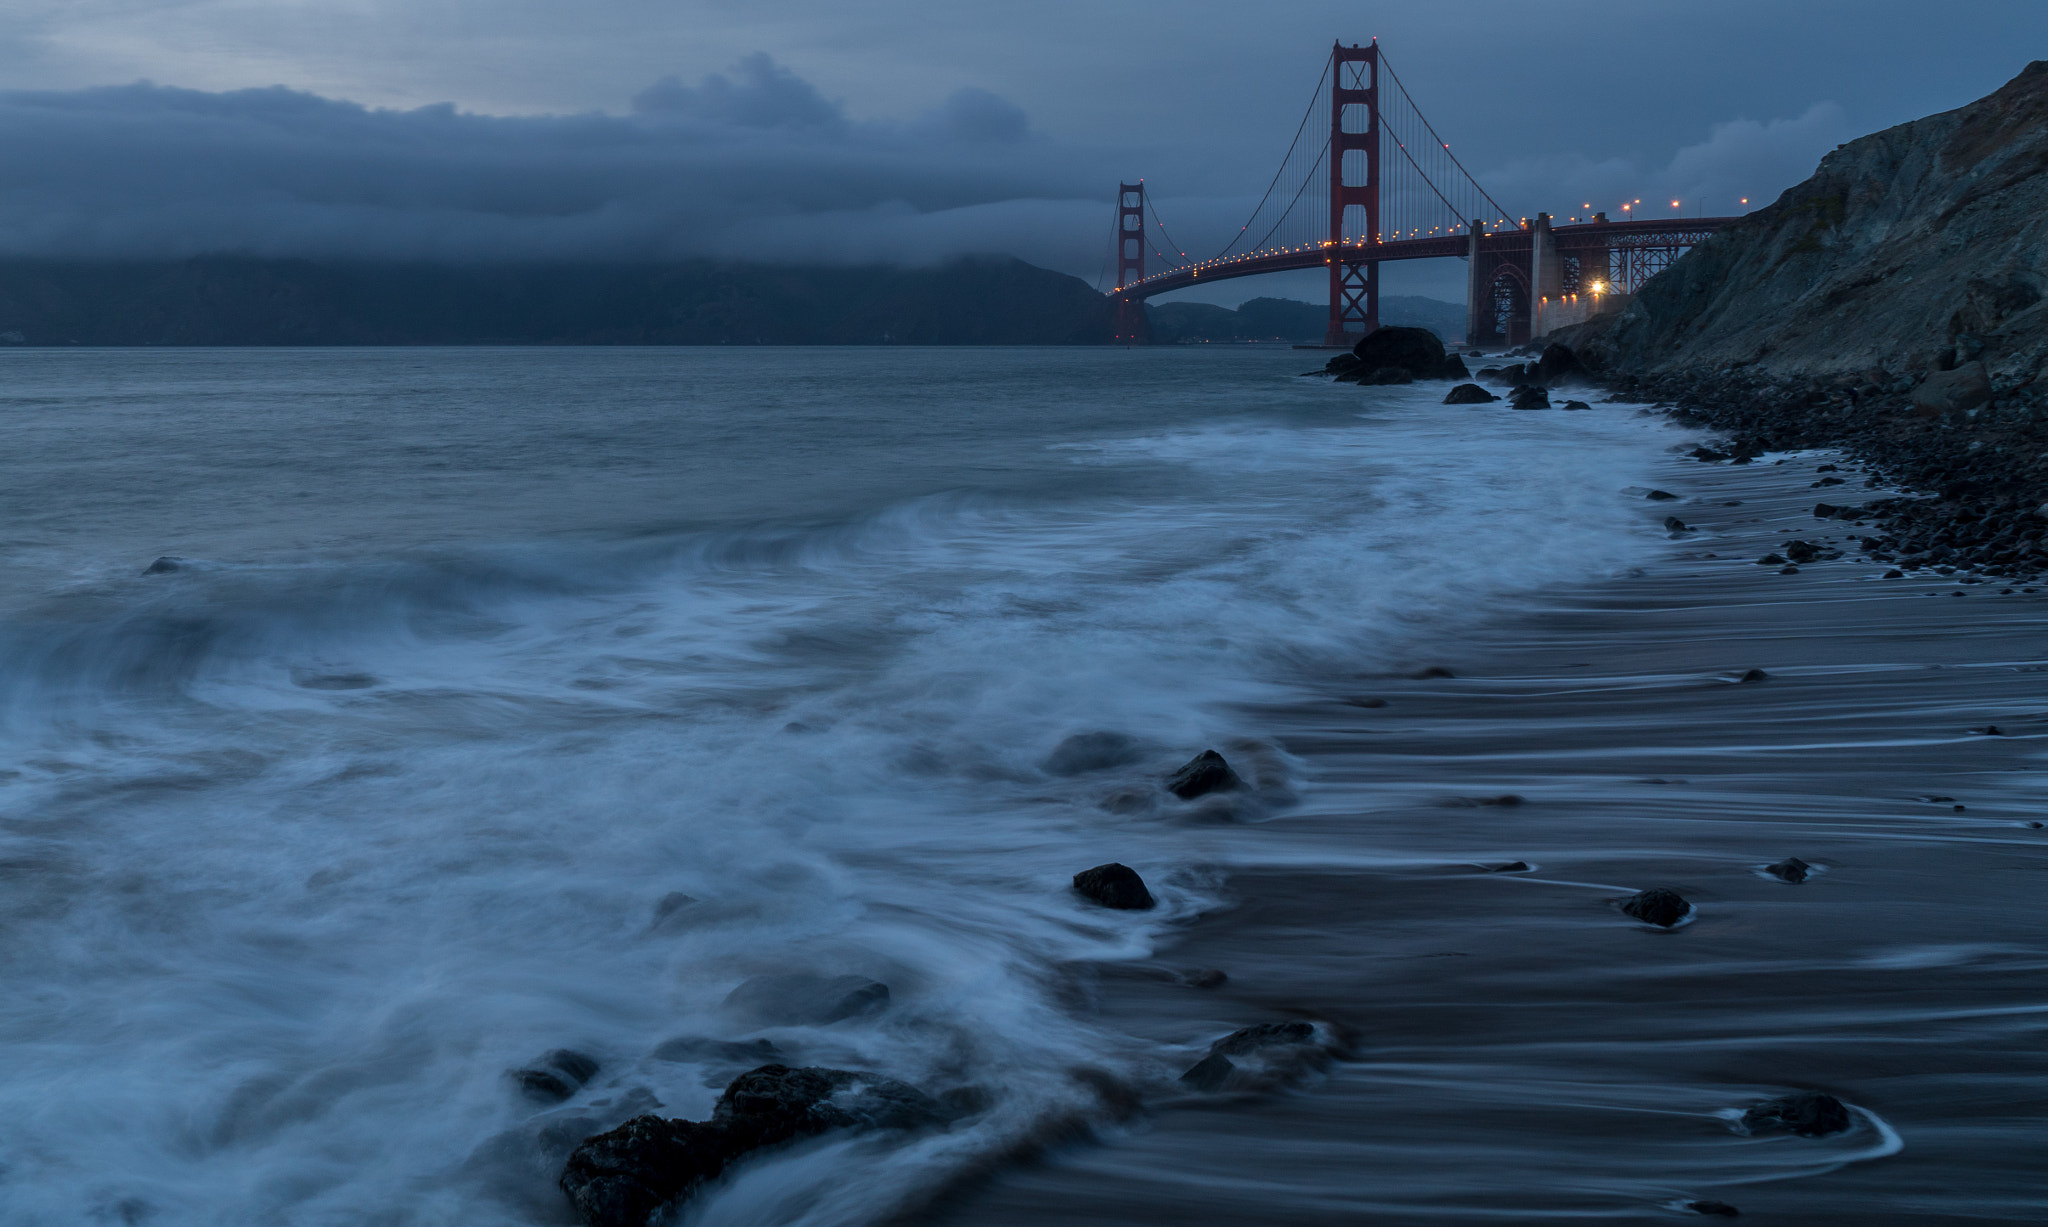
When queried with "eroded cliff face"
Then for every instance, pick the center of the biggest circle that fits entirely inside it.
(1910, 251)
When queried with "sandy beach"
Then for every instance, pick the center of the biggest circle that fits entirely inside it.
(1517, 1049)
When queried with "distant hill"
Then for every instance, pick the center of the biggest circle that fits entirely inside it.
(226, 300)
(1293, 321)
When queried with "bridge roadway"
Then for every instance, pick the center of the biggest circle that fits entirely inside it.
(1586, 236)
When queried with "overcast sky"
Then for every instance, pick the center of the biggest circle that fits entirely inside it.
(897, 129)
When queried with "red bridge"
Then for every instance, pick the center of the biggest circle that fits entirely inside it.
(1384, 186)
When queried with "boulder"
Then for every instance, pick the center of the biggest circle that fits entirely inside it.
(1279, 1047)
(1531, 396)
(625, 1177)
(1205, 773)
(1809, 1114)
(1389, 375)
(1674, 525)
(1657, 906)
(805, 999)
(1966, 387)
(1115, 886)
(1557, 364)
(556, 1076)
(1791, 869)
(1086, 752)
(1801, 551)
(1469, 394)
(1408, 349)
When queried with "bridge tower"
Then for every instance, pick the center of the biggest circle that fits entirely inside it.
(1130, 262)
(1354, 129)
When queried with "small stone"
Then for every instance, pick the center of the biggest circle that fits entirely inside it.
(1660, 496)
(1788, 570)
(1721, 1208)
(164, 564)
(1801, 551)
(1434, 671)
(1115, 886)
(1086, 752)
(1674, 525)
(556, 1076)
(1754, 675)
(1657, 906)
(1510, 867)
(1577, 404)
(1990, 730)
(1894, 573)
(1791, 869)
(1771, 560)
(1809, 1114)
(1205, 773)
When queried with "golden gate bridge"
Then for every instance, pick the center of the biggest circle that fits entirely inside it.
(1380, 184)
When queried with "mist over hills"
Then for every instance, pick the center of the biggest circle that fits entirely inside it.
(244, 300)
(224, 300)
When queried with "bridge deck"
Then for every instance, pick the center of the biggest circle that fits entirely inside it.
(1589, 236)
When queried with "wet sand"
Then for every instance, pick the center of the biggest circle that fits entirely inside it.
(1519, 1050)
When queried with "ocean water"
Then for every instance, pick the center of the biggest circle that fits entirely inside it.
(505, 701)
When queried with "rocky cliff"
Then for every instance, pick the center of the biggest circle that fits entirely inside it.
(1918, 249)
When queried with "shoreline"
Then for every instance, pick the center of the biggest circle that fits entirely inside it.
(1517, 1048)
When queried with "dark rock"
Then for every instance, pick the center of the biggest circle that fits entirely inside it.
(1657, 906)
(1660, 496)
(1434, 671)
(1577, 404)
(668, 912)
(1771, 560)
(803, 999)
(164, 564)
(623, 1178)
(1114, 885)
(1205, 773)
(1530, 396)
(1557, 364)
(1721, 1208)
(1264, 1035)
(1754, 675)
(1942, 392)
(702, 1049)
(1387, 375)
(1510, 867)
(556, 1076)
(1453, 368)
(1788, 570)
(1791, 869)
(1674, 525)
(1708, 455)
(1894, 573)
(1469, 394)
(1990, 730)
(1801, 551)
(1810, 1114)
(1415, 351)
(1086, 752)
(1213, 1070)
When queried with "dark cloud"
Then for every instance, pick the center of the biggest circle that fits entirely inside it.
(754, 163)
(765, 95)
